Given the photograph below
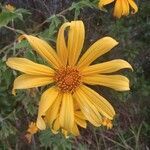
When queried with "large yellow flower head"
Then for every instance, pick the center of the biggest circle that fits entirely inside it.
(69, 102)
(122, 7)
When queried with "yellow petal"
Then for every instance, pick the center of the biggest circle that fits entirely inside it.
(80, 115)
(103, 106)
(133, 5)
(76, 106)
(88, 109)
(118, 9)
(67, 112)
(99, 48)
(29, 81)
(53, 111)
(125, 7)
(75, 130)
(116, 82)
(47, 99)
(43, 49)
(65, 133)
(75, 41)
(81, 122)
(27, 66)
(102, 3)
(40, 123)
(106, 67)
(56, 125)
(54, 132)
(61, 44)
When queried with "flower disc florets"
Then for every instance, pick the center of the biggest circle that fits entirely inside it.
(67, 79)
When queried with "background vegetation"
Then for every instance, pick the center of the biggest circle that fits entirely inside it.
(131, 129)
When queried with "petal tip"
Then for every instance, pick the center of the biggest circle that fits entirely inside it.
(112, 40)
(40, 123)
(21, 37)
(14, 92)
(8, 62)
(132, 69)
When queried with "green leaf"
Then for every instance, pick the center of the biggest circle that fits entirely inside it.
(7, 75)
(6, 17)
(80, 5)
(49, 34)
(7, 129)
(54, 141)
(22, 44)
(30, 55)
(22, 11)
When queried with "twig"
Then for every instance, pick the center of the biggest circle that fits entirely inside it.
(115, 142)
(60, 14)
(5, 48)
(45, 21)
(3, 119)
(14, 30)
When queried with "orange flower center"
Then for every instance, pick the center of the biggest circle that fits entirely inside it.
(67, 79)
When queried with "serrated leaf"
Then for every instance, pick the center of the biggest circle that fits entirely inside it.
(6, 17)
(80, 5)
(6, 130)
(31, 109)
(22, 11)
(30, 55)
(49, 34)
(22, 44)
(7, 75)
(54, 141)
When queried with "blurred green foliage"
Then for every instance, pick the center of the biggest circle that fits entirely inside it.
(131, 127)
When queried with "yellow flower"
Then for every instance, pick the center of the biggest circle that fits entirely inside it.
(32, 129)
(9, 7)
(69, 75)
(122, 7)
